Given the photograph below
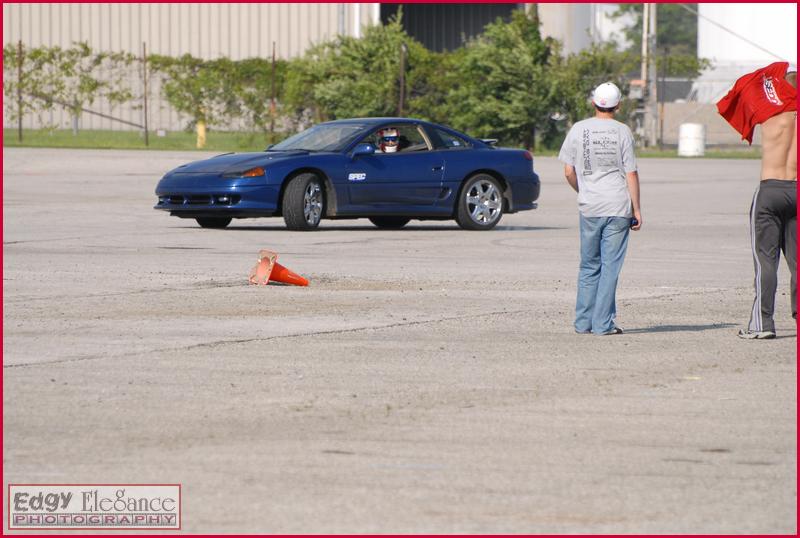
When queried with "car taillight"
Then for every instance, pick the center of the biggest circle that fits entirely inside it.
(528, 157)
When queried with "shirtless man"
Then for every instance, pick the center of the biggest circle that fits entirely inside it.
(773, 214)
(779, 136)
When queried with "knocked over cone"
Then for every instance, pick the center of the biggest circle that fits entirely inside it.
(268, 269)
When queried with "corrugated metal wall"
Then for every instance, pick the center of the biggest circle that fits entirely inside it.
(447, 26)
(203, 30)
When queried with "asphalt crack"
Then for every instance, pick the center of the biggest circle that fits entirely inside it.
(218, 343)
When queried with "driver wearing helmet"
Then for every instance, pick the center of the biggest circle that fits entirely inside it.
(389, 140)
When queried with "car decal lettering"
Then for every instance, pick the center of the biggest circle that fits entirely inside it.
(357, 177)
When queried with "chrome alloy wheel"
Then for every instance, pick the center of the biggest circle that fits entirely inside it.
(484, 202)
(312, 203)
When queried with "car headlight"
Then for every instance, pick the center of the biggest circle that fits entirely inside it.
(255, 172)
(258, 171)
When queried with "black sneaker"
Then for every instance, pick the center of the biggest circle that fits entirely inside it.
(756, 335)
(615, 330)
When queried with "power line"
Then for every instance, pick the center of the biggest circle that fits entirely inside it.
(715, 23)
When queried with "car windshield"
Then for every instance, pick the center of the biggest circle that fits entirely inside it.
(325, 137)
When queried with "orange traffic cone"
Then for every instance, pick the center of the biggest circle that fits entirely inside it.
(282, 274)
(268, 269)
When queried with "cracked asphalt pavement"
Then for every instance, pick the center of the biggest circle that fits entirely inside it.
(427, 381)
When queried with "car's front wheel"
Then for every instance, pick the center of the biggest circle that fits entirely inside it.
(480, 204)
(303, 202)
(389, 223)
(213, 222)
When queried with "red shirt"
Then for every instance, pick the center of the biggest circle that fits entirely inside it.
(756, 97)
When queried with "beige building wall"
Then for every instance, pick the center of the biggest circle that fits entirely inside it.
(577, 26)
(204, 30)
(718, 131)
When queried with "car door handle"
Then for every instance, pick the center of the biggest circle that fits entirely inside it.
(437, 168)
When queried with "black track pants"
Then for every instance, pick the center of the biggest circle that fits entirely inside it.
(773, 228)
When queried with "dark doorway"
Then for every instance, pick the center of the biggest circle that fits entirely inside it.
(446, 26)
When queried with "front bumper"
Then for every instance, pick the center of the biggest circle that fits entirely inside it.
(213, 196)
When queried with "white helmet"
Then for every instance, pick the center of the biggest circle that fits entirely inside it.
(606, 95)
(390, 139)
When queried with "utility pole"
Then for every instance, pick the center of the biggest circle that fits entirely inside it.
(645, 40)
(652, 78)
(19, 90)
(641, 108)
(662, 92)
(144, 81)
(403, 53)
(272, 101)
(341, 22)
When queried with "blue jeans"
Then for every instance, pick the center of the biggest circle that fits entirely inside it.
(604, 241)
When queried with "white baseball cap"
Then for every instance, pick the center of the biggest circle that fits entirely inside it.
(606, 95)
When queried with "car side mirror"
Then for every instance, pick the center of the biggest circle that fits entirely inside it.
(363, 149)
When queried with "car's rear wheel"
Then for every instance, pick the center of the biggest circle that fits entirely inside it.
(389, 223)
(213, 222)
(480, 204)
(303, 202)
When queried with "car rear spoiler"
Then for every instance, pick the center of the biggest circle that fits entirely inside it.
(490, 141)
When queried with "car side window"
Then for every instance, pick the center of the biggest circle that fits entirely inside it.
(410, 139)
(450, 141)
(371, 138)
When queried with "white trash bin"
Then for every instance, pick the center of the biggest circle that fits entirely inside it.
(692, 140)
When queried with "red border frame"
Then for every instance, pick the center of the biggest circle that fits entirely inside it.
(180, 511)
(2, 234)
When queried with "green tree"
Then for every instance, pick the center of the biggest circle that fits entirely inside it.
(578, 74)
(676, 37)
(87, 76)
(39, 77)
(218, 92)
(204, 90)
(253, 90)
(575, 77)
(349, 77)
(502, 85)
(74, 78)
(436, 78)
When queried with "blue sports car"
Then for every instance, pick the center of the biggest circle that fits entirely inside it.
(390, 170)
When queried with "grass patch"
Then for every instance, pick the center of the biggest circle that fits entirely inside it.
(731, 153)
(174, 140)
(224, 141)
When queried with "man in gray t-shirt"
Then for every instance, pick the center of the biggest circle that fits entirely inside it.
(600, 165)
(601, 151)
